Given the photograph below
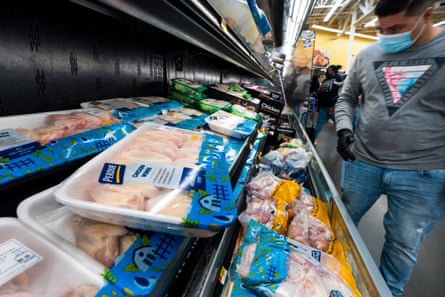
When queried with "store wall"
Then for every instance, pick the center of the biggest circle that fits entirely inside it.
(338, 46)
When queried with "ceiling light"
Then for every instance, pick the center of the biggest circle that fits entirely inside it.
(333, 9)
(439, 24)
(371, 23)
(340, 31)
(363, 35)
(326, 29)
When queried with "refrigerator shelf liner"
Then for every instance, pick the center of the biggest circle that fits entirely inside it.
(130, 103)
(31, 266)
(62, 151)
(231, 125)
(160, 178)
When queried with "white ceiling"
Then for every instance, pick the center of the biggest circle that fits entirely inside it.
(343, 15)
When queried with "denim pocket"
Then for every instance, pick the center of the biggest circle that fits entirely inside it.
(434, 175)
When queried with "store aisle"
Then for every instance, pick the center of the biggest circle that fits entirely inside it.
(428, 279)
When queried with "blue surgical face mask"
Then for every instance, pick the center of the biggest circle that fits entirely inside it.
(395, 43)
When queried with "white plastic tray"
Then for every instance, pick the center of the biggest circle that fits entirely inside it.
(43, 214)
(73, 193)
(54, 275)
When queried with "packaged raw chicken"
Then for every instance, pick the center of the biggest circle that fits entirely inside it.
(120, 103)
(31, 266)
(230, 124)
(267, 264)
(47, 127)
(273, 207)
(26, 157)
(113, 246)
(160, 178)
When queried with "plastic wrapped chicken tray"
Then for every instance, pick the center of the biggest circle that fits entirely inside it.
(231, 125)
(32, 266)
(130, 103)
(106, 248)
(188, 87)
(159, 178)
(34, 143)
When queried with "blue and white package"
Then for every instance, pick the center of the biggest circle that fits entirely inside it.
(62, 151)
(161, 178)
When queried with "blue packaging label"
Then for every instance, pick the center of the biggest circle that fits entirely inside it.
(63, 151)
(14, 144)
(112, 174)
(138, 272)
(166, 176)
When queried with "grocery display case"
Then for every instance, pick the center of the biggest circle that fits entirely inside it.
(91, 50)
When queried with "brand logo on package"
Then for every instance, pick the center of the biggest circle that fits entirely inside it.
(270, 108)
(112, 174)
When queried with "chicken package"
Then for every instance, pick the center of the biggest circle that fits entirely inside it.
(275, 211)
(62, 124)
(26, 159)
(130, 260)
(231, 125)
(268, 264)
(32, 266)
(262, 185)
(288, 161)
(159, 178)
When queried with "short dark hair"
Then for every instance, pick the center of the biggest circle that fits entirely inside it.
(335, 68)
(411, 7)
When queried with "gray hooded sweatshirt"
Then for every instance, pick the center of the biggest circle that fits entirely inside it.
(402, 109)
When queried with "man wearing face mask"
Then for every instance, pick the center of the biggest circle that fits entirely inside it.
(398, 147)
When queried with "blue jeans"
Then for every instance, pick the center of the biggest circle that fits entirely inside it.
(323, 117)
(416, 202)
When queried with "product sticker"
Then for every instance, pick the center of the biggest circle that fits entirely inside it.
(162, 175)
(112, 174)
(14, 144)
(15, 258)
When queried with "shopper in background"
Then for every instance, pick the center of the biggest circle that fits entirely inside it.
(302, 88)
(398, 148)
(327, 95)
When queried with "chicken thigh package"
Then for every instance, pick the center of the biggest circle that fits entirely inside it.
(31, 266)
(131, 260)
(158, 178)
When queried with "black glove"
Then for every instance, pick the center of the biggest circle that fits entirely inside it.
(344, 144)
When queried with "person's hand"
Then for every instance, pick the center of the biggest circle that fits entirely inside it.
(344, 144)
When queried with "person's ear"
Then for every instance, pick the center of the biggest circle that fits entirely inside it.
(428, 15)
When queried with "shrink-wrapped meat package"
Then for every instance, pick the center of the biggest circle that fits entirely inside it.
(31, 266)
(159, 178)
(268, 264)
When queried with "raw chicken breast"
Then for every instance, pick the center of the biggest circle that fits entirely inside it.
(125, 242)
(19, 294)
(83, 291)
(246, 260)
(99, 240)
(128, 196)
(310, 231)
(146, 156)
(173, 203)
